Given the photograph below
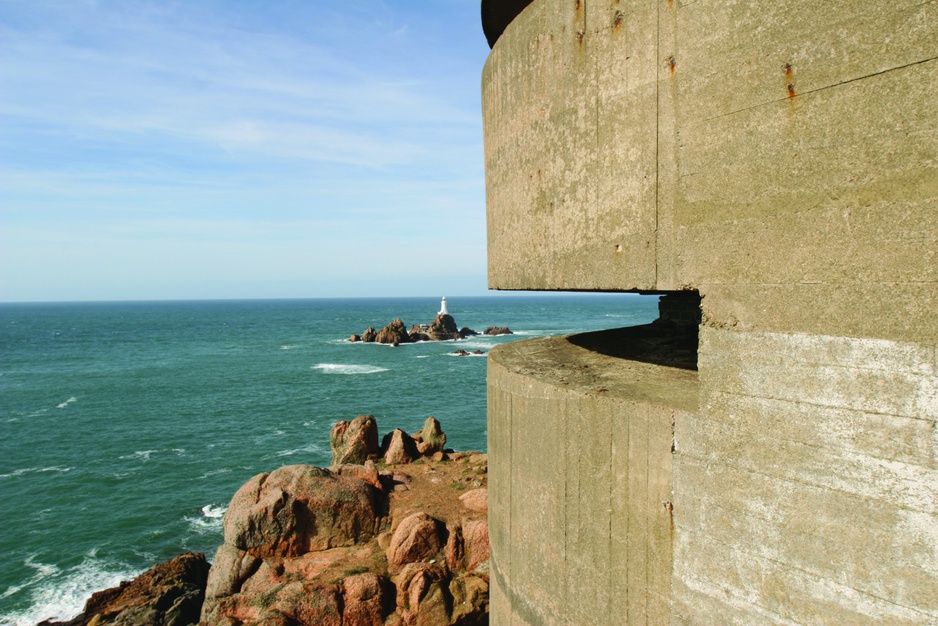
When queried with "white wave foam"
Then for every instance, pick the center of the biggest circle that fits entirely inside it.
(211, 473)
(212, 511)
(143, 455)
(61, 594)
(311, 448)
(338, 368)
(464, 355)
(35, 470)
(66, 403)
(287, 347)
(477, 344)
(210, 520)
(422, 356)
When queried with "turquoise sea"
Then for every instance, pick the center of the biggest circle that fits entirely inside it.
(125, 428)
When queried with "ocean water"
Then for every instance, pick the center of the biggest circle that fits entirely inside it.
(125, 428)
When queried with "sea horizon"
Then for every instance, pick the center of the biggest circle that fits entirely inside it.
(127, 426)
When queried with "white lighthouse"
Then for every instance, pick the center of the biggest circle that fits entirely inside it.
(443, 310)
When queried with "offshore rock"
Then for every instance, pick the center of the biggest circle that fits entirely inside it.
(355, 441)
(394, 333)
(443, 328)
(168, 594)
(300, 508)
(497, 330)
(369, 335)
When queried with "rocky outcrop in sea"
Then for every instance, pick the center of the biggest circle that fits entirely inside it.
(390, 534)
(442, 328)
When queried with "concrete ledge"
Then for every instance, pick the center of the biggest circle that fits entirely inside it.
(580, 472)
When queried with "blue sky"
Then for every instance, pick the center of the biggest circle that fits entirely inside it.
(209, 149)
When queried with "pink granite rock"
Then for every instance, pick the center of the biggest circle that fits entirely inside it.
(476, 537)
(417, 538)
(476, 500)
(366, 600)
(301, 508)
(400, 447)
(354, 442)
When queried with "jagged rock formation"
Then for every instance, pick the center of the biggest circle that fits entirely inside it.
(169, 594)
(394, 333)
(497, 330)
(355, 441)
(348, 545)
(442, 328)
(354, 544)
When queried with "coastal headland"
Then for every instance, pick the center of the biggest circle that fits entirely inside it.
(391, 533)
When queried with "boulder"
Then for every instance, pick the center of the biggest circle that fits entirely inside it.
(168, 594)
(355, 338)
(369, 335)
(417, 538)
(465, 331)
(497, 330)
(367, 600)
(301, 508)
(431, 439)
(455, 548)
(300, 603)
(443, 328)
(232, 567)
(367, 472)
(470, 595)
(476, 539)
(399, 447)
(393, 333)
(423, 595)
(355, 441)
(460, 352)
(476, 500)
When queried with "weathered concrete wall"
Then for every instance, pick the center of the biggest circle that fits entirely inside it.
(806, 488)
(779, 158)
(580, 484)
(782, 159)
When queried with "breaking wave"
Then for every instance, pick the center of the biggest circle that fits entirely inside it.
(337, 368)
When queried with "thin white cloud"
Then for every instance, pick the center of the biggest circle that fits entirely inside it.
(238, 128)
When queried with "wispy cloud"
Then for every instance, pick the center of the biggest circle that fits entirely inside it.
(116, 111)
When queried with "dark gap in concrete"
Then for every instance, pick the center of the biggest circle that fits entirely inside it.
(671, 340)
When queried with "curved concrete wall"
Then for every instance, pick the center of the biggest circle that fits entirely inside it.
(780, 158)
(580, 484)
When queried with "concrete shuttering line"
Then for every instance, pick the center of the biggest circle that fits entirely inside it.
(773, 166)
